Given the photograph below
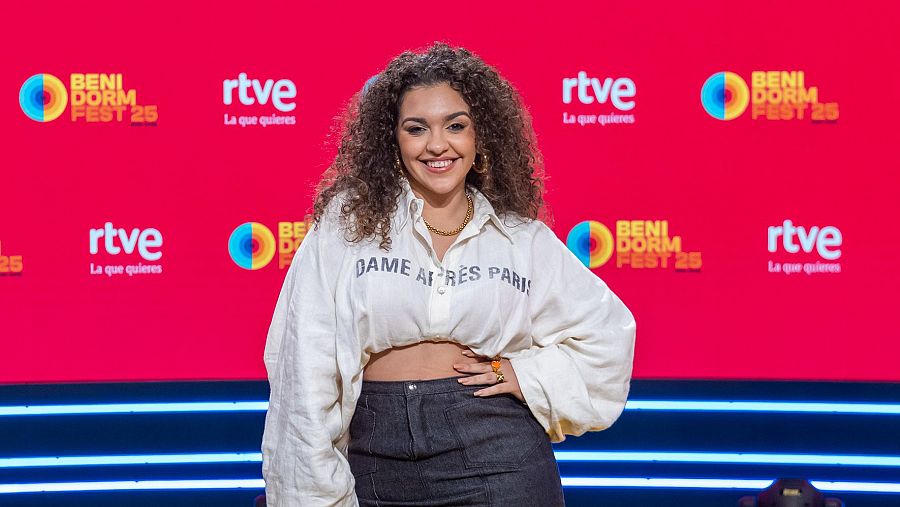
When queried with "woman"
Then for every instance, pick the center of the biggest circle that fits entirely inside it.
(433, 336)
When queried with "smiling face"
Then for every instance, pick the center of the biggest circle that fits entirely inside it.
(436, 136)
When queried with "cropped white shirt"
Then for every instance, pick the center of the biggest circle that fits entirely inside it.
(505, 287)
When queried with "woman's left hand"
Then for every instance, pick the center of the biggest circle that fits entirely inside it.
(484, 375)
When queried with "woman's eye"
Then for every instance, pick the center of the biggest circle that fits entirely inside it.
(457, 127)
(415, 130)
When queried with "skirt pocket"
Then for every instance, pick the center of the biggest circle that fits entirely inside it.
(494, 431)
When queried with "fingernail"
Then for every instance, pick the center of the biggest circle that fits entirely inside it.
(477, 393)
(459, 380)
(457, 366)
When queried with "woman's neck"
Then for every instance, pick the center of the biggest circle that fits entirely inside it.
(444, 211)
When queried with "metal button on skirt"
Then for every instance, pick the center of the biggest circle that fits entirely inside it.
(431, 443)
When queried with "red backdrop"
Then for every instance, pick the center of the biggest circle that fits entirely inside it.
(720, 185)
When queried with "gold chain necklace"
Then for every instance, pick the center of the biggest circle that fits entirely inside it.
(470, 210)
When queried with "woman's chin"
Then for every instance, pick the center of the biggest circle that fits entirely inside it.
(440, 185)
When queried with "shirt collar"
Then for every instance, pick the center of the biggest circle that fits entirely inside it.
(410, 206)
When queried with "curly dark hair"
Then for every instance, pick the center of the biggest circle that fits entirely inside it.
(364, 166)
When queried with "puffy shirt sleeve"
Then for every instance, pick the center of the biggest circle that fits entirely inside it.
(304, 442)
(575, 377)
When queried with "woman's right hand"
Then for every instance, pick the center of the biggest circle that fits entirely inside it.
(483, 374)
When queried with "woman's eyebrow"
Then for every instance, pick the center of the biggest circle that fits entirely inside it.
(446, 118)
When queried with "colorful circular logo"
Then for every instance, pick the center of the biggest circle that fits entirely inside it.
(725, 95)
(591, 242)
(43, 97)
(251, 245)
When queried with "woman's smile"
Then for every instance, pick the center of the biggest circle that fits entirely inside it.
(441, 165)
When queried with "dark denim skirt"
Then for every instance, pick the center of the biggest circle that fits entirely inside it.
(432, 443)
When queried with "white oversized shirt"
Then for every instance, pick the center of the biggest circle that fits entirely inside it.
(506, 287)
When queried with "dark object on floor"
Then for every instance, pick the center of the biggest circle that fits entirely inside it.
(790, 493)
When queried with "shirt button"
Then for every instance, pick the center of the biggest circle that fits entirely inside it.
(442, 289)
(412, 387)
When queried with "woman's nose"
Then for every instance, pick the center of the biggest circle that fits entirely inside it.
(437, 144)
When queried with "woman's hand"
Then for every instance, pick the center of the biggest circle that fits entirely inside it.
(484, 375)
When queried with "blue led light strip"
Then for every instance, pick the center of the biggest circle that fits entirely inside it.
(569, 482)
(667, 482)
(766, 406)
(137, 408)
(859, 487)
(632, 405)
(49, 487)
(562, 456)
(134, 459)
(748, 484)
(730, 458)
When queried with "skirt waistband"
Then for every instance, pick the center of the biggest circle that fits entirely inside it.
(416, 387)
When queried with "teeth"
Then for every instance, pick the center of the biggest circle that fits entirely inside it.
(439, 164)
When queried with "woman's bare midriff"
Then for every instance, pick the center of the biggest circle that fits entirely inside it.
(420, 361)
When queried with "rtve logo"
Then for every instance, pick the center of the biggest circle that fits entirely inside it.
(592, 89)
(823, 239)
(251, 91)
(143, 240)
